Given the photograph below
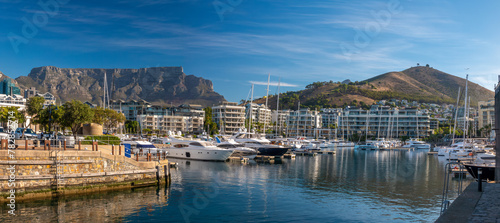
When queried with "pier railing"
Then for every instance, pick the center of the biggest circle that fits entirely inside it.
(455, 169)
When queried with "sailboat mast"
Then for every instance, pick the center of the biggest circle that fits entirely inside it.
(465, 108)
(278, 123)
(251, 112)
(267, 96)
(456, 116)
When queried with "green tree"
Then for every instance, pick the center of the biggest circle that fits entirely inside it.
(17, 115)
(34, 106)
(51, 114)
(209, 124)
(114, 119)
(75, 115)
(131, 126)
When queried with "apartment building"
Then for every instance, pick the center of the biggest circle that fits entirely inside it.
(229, 116)
(384, 121)
(486, 113)
(303, 123)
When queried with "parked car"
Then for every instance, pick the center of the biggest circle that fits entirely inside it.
(3, 134)
(25, 133)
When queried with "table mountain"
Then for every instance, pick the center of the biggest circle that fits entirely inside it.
(158, 85)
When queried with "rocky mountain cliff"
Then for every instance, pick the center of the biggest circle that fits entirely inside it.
(158, 85)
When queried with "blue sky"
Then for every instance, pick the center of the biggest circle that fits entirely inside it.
(240, 41)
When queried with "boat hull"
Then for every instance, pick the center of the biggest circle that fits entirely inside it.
(199, 154)
(488, 171)
(272, 151)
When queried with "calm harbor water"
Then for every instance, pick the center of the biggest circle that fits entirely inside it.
(350, 186)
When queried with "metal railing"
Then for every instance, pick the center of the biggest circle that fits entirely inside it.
(445, 203)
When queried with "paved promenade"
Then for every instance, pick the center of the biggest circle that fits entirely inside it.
(474, 206)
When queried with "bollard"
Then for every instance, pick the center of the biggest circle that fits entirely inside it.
(64, 144)
(479, 180)
(120, 150)
(79, 145)
(137, 157)
(38, 143)
(92, 145)
(44, 144)
(26, 144)
(59, 144)
(112, 149)
(96, 145)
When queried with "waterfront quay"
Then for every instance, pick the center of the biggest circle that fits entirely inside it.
(474, 205)
(32, 171)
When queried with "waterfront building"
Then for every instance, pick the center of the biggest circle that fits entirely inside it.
(279, 118)
(12, 101)
(384, 121)
(258, 113)
(131, 109)
(303, 123)
(49, 98)
(229, 116)
(9, 88)
(30, 92)
(486, 113)
(185, 118)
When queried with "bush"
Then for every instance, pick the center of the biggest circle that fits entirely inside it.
(103, 140)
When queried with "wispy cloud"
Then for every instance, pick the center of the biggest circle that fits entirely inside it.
(281, 84)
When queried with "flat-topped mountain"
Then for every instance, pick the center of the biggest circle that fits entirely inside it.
(158, 85)
(421, 84)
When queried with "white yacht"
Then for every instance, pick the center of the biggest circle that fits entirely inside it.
(416, 144)
(197, 150)
(261, 144)
(239, 149)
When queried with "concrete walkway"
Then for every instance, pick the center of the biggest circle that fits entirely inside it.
(475, 206)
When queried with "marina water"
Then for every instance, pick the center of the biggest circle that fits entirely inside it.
(350, 186)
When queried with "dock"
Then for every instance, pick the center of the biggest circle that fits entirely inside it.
(475, 206)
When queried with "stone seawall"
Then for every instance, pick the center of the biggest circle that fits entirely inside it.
(44, 173)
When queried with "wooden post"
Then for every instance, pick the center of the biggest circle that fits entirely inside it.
(136, 157)
(158, 175)
(120, 150)
(38, 143)
(64, 144)
(112, 149)
(79, 145)
(96, 146)
(166, 173)
(26, 144)
(44, 144)
(92, 145)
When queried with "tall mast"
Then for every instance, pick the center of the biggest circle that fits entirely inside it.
(105, 99)
(278, 123)
(251, 112)
(267, 96)
(465, 108)
(456, 116)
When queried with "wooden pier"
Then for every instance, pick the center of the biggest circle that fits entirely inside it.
(238, 160)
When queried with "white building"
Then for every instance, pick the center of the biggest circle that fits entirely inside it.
(12, 101)
(486, 113)
(229, 116)
(303, 123)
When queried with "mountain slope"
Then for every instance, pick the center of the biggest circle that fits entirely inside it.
(422, 84)
(158, 85)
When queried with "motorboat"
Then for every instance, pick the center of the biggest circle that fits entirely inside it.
(262, 145)
(366, 146)
(416, 144)
(239, 149)
(197, 150)
(141, 147)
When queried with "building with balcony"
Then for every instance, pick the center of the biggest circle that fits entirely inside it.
(384, 121)
(303, 123)
(229, 116)
(486, 113)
